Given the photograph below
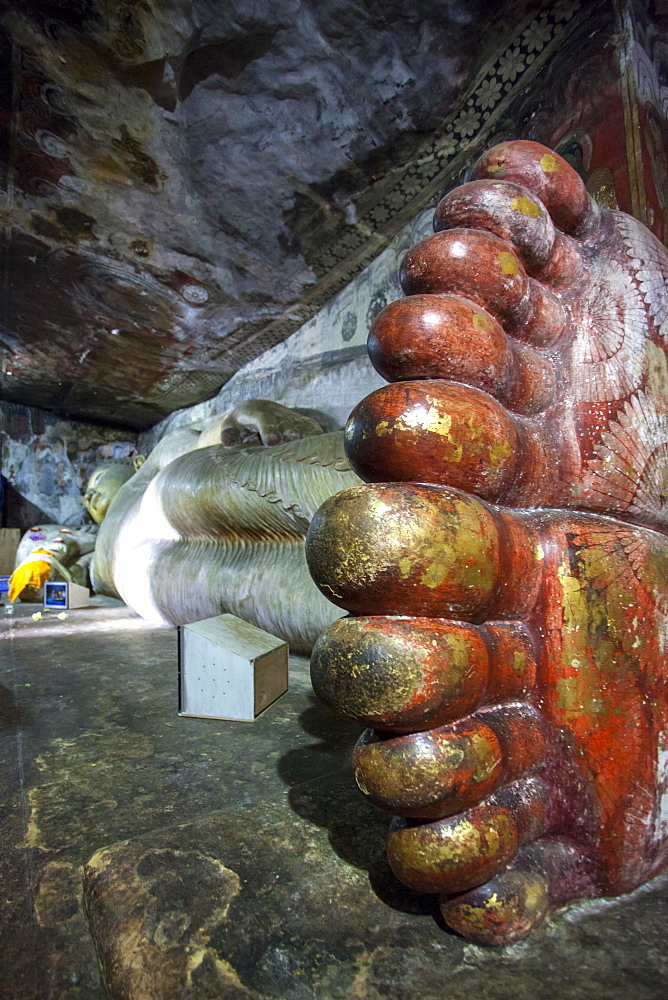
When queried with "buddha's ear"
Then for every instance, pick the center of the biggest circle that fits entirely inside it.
(138, 461)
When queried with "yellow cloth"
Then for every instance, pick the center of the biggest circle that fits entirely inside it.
(29, 574)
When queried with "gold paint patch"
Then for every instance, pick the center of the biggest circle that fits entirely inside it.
(405, 566)
(425, 419)
(434, 575)
(549, 164)
(498, 453)
(519, 662)
(526, 206)
(508, 263)
(456, 454)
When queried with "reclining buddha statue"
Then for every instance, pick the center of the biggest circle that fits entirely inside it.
(51, 552)
(505, 565)
(215, 520)
(64, 552)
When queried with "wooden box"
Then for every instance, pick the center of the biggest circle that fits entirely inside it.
(229, 669)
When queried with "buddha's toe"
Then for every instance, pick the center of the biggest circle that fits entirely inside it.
(487, 269)
(422, 550)
(549, 178)
(547, 873)
(461, 852)
(452, 337)
(407, 675)
(443, 432)
(430, 775)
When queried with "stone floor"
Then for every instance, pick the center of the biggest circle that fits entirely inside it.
(232, 860)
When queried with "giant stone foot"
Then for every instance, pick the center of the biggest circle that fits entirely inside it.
(506, 565)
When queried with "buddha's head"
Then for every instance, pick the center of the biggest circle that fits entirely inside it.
(105, 482)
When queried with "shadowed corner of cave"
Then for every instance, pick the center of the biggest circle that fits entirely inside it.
(322, 790)
(171, 80)
(17, 510)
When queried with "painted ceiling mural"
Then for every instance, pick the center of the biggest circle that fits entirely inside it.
(182, 186)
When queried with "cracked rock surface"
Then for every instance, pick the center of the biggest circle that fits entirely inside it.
(199, 859)
(163, 163)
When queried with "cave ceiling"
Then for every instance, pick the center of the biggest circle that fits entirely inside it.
(184, 182)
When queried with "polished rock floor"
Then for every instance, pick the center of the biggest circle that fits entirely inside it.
(203, 860)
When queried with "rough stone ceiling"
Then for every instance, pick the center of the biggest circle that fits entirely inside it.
(183, 182)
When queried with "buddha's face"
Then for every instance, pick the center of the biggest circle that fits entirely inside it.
(103, 486)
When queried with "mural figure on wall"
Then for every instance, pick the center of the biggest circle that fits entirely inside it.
(506, 564)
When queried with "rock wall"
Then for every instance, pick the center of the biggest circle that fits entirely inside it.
(45, 462)
(322, 369)
(598, 98)
(186, 183)
(168, 162)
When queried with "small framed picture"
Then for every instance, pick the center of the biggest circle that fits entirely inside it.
(55, 594)
(62, 595)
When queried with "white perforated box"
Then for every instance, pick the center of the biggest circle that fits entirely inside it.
(229, 669)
